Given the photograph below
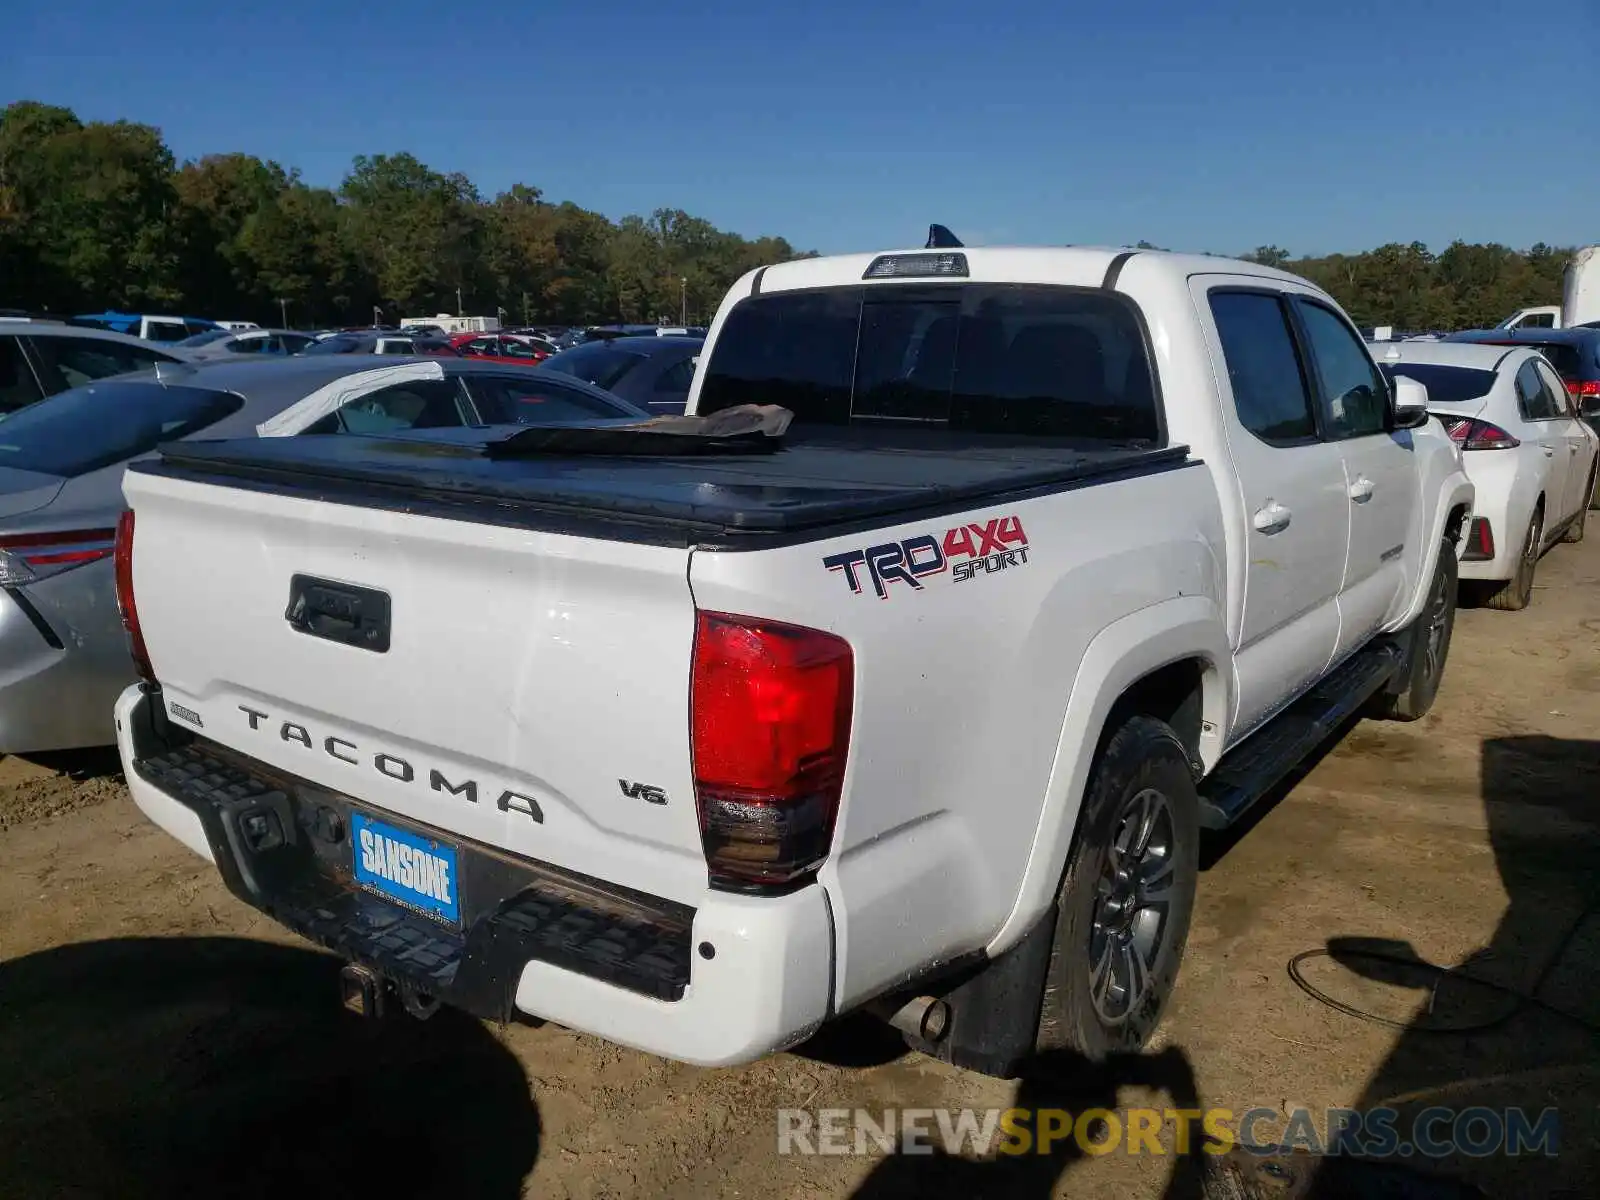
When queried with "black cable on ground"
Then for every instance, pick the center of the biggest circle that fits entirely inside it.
(1519, 997)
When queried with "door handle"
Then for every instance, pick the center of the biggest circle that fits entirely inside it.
(1549, 451)
(1361, 489)
(1572, 449)
(1274, 518)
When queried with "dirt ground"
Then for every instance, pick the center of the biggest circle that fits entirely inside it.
(158, 1038)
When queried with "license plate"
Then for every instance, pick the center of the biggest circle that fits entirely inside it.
(412, 870)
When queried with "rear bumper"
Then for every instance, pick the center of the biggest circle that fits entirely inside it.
(1504, 497)
(725, 981)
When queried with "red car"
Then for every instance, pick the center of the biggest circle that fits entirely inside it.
(502, 347)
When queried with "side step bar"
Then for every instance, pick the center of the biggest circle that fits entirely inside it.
(1250, 769)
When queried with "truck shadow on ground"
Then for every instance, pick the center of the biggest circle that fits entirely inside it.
(137, 1068)
(1057, 1079)
(1529, 1040)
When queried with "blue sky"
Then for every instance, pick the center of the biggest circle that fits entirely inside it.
(1217, 125)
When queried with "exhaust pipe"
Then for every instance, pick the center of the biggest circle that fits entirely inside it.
(926, 1018)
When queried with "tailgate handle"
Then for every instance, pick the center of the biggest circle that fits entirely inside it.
(339, 612)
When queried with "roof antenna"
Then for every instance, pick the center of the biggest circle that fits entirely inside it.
(940, 238)
(171, 372)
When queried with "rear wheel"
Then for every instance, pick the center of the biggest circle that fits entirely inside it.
(1126, 897)
(1429, 645)
(1513, 595)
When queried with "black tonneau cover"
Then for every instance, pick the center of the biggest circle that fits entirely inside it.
(822, 479)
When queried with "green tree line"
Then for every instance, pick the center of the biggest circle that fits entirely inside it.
(99, 214)
(1465, 286)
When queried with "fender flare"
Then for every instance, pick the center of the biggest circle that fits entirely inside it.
(1460, 494)
(1120, 655)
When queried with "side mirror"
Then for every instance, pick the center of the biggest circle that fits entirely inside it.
(1410, 403)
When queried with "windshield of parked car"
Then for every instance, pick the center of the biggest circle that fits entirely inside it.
(600, 363)
(91, 427)
(206, 338)
(1446, 385)
(1031, 360)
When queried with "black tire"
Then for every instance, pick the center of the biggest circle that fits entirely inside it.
(1429, 636)
(1594, 488)
(1513, 595)
(1574, 532)
(1117, 947)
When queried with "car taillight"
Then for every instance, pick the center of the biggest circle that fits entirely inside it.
(1472, 434)
(770, 711)
(1583, 387)
(30, 557)
(125, 604)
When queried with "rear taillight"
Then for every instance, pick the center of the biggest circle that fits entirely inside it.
(1471, 434)
(770, 717)
(30, 557)
(125, 604)
(1583, 387)
(1480, 541)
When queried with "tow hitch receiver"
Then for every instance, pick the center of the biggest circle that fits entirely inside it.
(361, 991)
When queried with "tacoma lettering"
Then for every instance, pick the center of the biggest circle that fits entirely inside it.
(391, 766)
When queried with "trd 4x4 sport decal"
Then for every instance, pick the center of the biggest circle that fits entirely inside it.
(966, 552)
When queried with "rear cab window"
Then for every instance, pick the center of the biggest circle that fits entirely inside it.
(106, 423)
(1029, 360)
(167, 331)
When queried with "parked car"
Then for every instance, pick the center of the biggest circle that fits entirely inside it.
(1573, 352)
(64, 654)
(222, 342)
(237, 326)
(41, 358)
(149, 327)
(653, 372)
(379, 343)
(604, 333)
(920, 713)
(502, 347)
(1529, 455)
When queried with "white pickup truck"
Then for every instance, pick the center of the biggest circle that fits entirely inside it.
(1067, 555)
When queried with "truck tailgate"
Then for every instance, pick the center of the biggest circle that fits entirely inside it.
(533, 692)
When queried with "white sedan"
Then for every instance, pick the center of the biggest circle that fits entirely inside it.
(1528, 453)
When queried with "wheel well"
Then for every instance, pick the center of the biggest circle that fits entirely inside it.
(1174, 694)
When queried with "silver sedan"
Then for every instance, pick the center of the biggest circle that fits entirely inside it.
(63, 655)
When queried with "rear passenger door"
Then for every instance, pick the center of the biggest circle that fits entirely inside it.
(1354, 413)
(1580, 441)
(1546, 426)
(1292, 491)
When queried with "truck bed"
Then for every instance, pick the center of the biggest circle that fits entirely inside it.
(821, 479)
